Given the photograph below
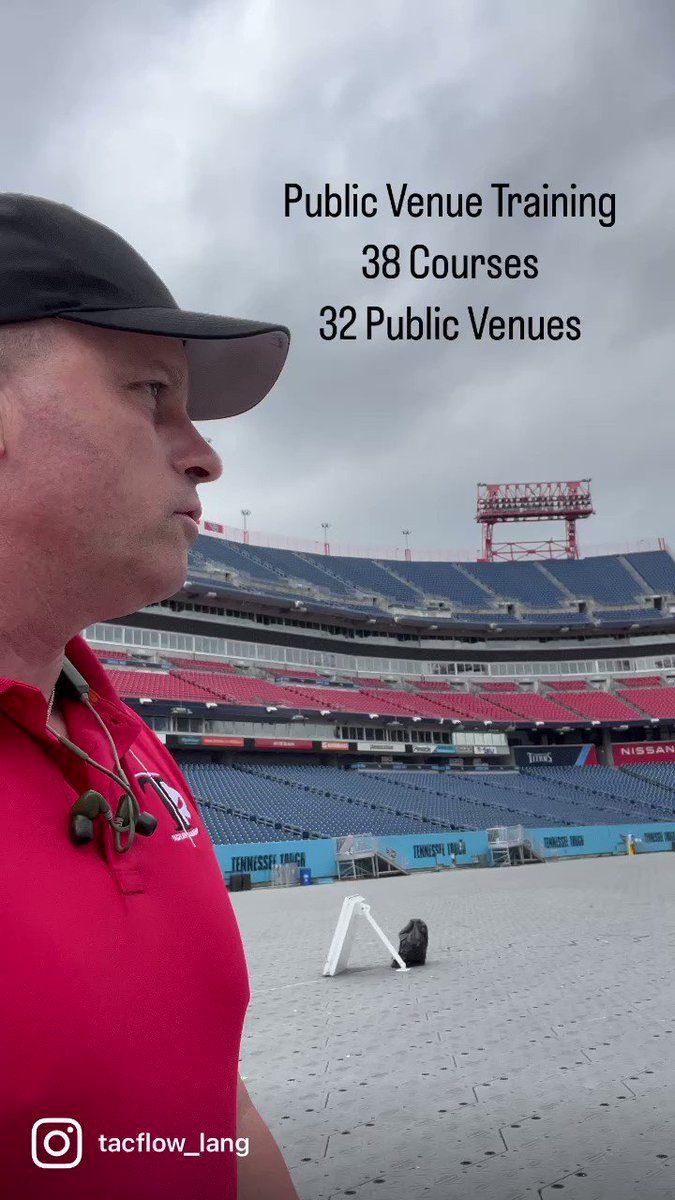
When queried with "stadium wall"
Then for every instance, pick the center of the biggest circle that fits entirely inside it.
(426, 851)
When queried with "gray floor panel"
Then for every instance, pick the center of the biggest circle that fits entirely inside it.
(533, 1056)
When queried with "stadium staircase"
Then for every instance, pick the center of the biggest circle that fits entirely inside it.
(512, 846)
(564, 590)
(361, 858)
(644, 586)
(386, 567)
(290, 832)
(285, 578)
(484, 587)
(330, 575)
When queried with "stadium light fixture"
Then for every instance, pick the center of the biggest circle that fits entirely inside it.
(270, 708)
(325, 712)
(373, 716)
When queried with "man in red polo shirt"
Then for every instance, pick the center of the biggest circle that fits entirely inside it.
(123, 978)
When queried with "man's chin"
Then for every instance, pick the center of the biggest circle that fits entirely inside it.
(162, 583)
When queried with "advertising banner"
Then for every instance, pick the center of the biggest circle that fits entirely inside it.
(555, 756)
(335, 745)
(642, 752)
(221, 739)
(203, 739)
(441, 749)
(467, 748)
(382, 747)
(282, 744)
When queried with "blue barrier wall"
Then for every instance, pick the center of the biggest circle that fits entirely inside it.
(257, 858)
(604, 839)
(427, 850)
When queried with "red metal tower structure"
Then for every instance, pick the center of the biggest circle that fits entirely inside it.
(501, 503)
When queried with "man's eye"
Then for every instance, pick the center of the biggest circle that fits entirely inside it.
(154, 383)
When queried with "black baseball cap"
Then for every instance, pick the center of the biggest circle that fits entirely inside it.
(56, 262)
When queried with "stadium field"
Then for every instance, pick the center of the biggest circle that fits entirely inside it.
(532, 1056)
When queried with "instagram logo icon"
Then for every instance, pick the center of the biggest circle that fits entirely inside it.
(56, 1143)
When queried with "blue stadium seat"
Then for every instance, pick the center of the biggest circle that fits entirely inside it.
(332, 802)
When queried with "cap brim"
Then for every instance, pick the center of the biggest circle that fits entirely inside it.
(232, 363)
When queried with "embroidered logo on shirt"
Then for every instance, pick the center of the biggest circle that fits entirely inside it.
(174, 803)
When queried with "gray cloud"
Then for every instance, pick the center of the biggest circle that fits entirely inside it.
(178, 124)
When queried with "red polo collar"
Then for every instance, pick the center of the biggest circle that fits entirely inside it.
(26, 704)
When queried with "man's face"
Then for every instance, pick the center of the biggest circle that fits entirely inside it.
(97, 462)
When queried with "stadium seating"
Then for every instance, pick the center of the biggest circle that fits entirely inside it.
(657, 569)
(617, 792)
(617, 585)
(531, 707)
(364, 575)
(640, 681)
(156, 685)
(569, 617)
(629, 615)
(199, 664)
(331, 802)
(444, 581)
(347, 701)
(117, 655)
(496, 687)
(598, 706)
(604, 579)
(462, 705)
(521, 581)
(655, 702)
(498, 703)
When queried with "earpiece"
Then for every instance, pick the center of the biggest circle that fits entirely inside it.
(91, 805)
(129, 819)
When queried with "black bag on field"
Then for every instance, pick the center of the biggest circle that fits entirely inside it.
(413, 944)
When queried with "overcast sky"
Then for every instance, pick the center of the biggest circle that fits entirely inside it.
(178, 123)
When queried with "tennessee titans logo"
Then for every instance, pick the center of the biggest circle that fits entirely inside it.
(172, 800)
